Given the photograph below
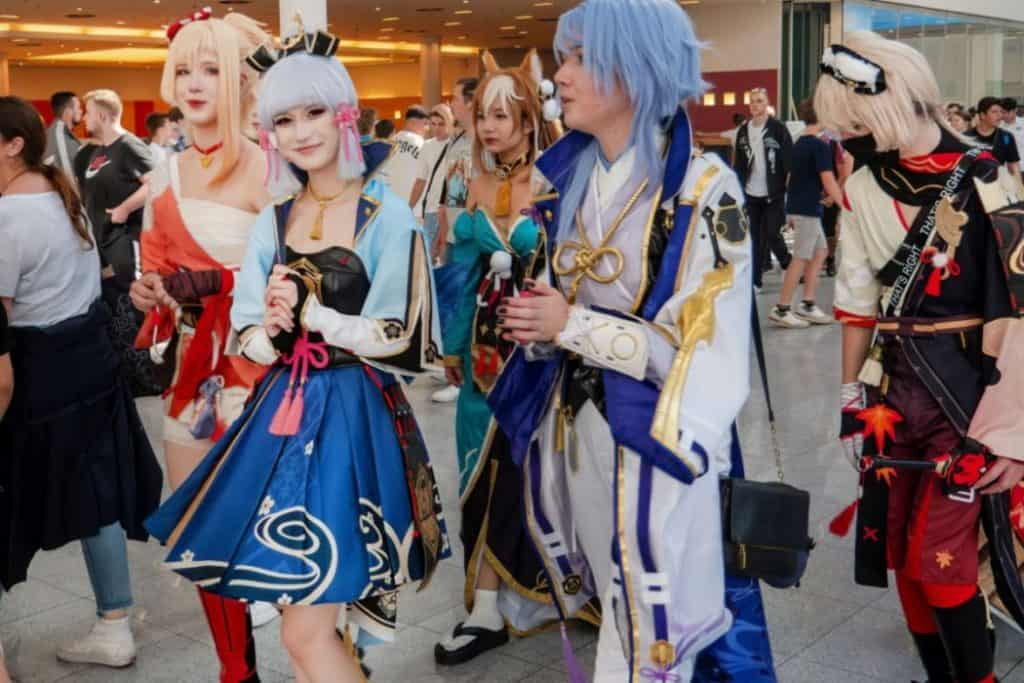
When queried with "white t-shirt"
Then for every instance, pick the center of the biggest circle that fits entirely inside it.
(757, 183)
(159, 153)
(44, 265)
(1017, 130)
(430, 155)
(402, 167)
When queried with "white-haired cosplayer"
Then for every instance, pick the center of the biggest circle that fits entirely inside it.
(929, 294)
(634, 366)
(321, 493)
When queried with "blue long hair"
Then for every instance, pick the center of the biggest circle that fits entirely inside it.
(650, 48)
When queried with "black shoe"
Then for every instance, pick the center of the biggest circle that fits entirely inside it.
(830, 266)
(483, 640)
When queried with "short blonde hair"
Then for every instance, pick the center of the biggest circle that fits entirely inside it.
(232, 39)
(892, 116)
(445, 112)
(107, 100)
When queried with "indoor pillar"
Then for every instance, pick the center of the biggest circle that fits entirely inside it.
(430, 71)
(5, 75)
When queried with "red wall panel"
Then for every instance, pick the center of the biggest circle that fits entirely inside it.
(712, 119)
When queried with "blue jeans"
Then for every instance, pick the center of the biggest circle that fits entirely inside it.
(106, 558)
(430, 228)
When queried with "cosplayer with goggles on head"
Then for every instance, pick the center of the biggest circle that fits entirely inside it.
(633, 364)
(200, 210)
(321, 494)
(932, 350)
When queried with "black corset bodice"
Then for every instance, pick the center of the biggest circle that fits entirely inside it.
(337, 277)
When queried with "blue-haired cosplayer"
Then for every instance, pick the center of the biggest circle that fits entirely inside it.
(322, 491)
(625, 422)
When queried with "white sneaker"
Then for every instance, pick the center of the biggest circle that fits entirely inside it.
(262, 613)
(812, 314)
(787, 319)
(109, 643)
(446, 395)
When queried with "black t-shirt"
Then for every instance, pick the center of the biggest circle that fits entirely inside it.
(107, 175)
(1001, 142)
(811, 156)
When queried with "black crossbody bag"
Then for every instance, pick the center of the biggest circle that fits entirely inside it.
(765, 524)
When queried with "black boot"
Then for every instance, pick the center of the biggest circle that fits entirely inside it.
(933, 656)
(967, 638)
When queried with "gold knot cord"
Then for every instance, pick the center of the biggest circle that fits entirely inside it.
(696, 324)
(585, 257)
(317, 233)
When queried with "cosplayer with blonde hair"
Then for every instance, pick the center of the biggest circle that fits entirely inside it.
(201, 207)
(633, 358)
(931, 350)
(321, 494)
(497, 243)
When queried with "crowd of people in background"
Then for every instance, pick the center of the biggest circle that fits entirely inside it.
(797, 193)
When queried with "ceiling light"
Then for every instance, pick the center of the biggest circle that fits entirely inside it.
(387, 29)
(463, 11)
(120, 22)
(506, 28)
(524, 17)
(391, 19)
(689, 2)
(543, 4)
(11, 17)
(461, 37)
(49, 31)
(453, 23)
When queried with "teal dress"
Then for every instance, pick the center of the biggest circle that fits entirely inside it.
(490, 484)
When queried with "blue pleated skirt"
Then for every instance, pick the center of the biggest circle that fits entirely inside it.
(324, 516)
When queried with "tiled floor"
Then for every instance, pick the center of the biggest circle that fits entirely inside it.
(826, 631)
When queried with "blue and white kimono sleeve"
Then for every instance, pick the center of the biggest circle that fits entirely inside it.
(397, 329)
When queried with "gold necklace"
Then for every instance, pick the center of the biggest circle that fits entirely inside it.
(504, 173)
(585, 257)
(317, 233)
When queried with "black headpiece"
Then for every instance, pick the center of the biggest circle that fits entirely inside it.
(320, 43)
(853, 70)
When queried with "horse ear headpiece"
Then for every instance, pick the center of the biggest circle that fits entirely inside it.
(853, 70)
(490, 64)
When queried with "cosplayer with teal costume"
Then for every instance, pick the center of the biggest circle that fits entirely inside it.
(634, 361)
(321, 493)
(498, 240)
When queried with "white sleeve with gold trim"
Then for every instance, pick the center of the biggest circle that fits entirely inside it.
(707, 381)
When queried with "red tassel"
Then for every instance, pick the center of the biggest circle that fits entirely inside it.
(840, 526)
(294, 417)
(934, 285)
(278, 425)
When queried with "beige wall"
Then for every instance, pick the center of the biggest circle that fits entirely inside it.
(372, 82)
(743, 35)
